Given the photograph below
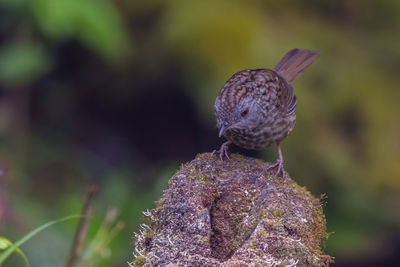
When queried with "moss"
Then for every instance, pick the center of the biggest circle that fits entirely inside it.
(139, 261)
(202, 179)
(232, 247)
(277, 213)
(264, 213)
(227, 213)
(148, 235)
(263, 233)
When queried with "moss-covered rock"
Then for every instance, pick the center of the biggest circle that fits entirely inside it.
(232, 213)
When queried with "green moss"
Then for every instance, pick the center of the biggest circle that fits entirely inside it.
(263, 213)
(232, 247)
(139, 261)
(202, 241)
(148, 236)
(202, 179)
(277, 213)
(263, 233)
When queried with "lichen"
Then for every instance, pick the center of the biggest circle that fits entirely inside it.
(232, 213)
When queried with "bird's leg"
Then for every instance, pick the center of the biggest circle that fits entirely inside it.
(223, 151)
(278, 164)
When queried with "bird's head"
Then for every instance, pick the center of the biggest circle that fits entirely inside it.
(237, 117)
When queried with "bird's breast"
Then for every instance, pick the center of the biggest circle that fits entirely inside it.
(259, 137)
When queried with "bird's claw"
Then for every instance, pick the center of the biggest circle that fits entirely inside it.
(278, 164)
(223, 151)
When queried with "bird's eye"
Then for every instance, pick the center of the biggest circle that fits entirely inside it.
(244, 112)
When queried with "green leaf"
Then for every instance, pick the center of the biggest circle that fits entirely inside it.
(96, 24)
(14, 247)
(101, 29)
(22, 63)
(5, 244)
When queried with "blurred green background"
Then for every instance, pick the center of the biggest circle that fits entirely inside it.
(120, 93)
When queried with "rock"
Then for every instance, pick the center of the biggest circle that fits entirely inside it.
(232, 213)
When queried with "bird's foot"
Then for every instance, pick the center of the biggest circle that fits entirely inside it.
(223, 150)
(279, 165)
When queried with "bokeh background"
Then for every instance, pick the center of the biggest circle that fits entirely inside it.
(120, 94)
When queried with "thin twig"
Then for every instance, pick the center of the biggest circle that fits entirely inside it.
(3, 200)
(80, 234)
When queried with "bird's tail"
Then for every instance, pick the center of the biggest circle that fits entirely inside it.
(294, 63)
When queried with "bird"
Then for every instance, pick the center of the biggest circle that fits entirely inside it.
(257, 107)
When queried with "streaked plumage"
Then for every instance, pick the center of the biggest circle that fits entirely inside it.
(256, 108)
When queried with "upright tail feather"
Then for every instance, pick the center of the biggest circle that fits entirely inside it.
(294, 63)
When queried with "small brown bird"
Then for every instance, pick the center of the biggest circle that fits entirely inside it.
(256, 108)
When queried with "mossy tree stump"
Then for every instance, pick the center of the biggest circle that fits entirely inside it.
(232, 213)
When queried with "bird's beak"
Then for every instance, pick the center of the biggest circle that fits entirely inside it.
(221, 131)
